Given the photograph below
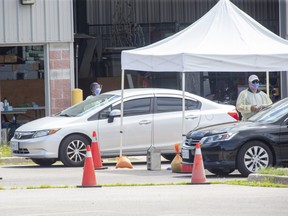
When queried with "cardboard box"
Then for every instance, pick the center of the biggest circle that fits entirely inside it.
(2, 59)
(10, 59)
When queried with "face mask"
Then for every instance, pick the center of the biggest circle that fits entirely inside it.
(97, 91)
(255, 85)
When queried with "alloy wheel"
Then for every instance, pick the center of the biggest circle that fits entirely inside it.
(256, 158)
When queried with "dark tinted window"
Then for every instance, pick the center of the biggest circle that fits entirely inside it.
(166, 104)
(136, 107)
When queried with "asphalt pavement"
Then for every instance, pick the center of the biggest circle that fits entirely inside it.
(20, 172)
(21, 176)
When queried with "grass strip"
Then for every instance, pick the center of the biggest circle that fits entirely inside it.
(252, 183)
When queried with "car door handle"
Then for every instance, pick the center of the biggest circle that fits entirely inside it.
(144, 122)
(191, 117)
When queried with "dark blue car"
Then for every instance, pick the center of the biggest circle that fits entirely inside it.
(249, 146)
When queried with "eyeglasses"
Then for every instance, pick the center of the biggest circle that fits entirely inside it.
(255, 81)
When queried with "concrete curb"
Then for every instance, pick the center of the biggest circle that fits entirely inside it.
(270, 178)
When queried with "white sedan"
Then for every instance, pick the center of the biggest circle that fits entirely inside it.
(151, 117)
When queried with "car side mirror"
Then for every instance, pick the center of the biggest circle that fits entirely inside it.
(113, 114)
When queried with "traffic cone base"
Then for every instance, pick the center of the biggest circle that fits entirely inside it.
(101, 168)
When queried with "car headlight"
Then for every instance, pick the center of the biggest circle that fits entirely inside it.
(47, 132)
(217, 138)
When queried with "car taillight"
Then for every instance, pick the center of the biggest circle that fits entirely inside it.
(234, 114)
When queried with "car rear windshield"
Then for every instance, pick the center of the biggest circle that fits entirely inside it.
(272, 113)
(88, 105)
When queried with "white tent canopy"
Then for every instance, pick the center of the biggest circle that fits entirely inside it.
(224, 39)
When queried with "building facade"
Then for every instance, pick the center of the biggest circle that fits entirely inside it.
(48, 48)
(129, 24)
(37, 53)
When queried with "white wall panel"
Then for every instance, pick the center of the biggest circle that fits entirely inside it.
(44, 21)
(38, 29)
(2, 21)
(10, 9)
(24, 18)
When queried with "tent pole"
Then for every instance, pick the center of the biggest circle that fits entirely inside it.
(122, 106)
(267, 83)
(183, 105)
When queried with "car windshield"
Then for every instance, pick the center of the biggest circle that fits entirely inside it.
(87, 105)
(272, 113)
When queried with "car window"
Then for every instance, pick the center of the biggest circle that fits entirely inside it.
(272, 113)
(103, 114)
(88, 105)
(136, 107)
(168, 104)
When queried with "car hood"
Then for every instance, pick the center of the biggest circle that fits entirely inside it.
(47, 123)
(222, 128)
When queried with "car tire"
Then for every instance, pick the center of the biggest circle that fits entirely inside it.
(44, 162)
(253, 156)
(72, 151)
(221, 172)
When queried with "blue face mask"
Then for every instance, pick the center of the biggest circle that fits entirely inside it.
(97, 91)
(255, 85)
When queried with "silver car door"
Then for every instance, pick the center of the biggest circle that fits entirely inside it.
(168, 121)
(137, 128)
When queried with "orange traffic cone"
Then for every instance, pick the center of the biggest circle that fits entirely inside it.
(96, 153)
(198, 173)
(89, 176)
(186, 168)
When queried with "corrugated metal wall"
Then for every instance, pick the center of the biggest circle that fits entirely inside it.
(107, 19)
(101, 12)
(45, 21)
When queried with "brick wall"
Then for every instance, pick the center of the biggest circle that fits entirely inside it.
(60, 76)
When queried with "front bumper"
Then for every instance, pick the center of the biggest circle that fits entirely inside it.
(214, 156)
(42, 147)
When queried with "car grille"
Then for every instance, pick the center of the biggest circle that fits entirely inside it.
(21, 151)
(191, 141)
(23, 135)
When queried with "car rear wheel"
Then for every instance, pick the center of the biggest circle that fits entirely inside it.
(253, 156)
(73, 150)
(44, 162)
(221, 172)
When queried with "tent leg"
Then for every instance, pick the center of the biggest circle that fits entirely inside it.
(123, 162)
(183, 105)
(122, 106)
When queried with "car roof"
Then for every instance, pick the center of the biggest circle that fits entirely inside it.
(147, 91)
(143, 91)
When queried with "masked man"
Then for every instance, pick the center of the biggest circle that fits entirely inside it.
(95, 89)
(252, 100)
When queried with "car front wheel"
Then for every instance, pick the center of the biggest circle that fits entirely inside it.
(253, 156)
(73, 150)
